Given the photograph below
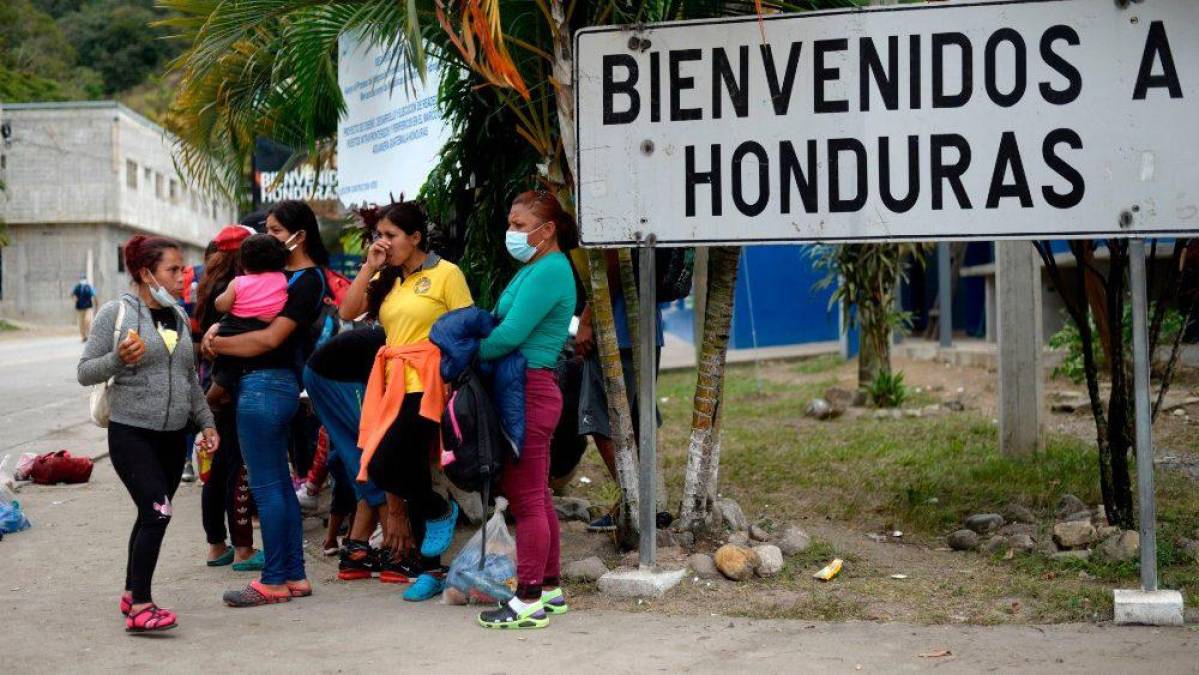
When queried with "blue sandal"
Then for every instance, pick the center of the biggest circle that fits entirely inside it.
(252, 564)
(226, 558)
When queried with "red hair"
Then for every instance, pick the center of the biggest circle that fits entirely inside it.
(545, 205)
(144, 253)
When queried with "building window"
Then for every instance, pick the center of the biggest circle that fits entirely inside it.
(147, 175)
(174, 190)
(120, 258)
(158, 185)
(131, 174)
(215, 214)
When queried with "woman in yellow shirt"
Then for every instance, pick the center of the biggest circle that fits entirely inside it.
(407, 288)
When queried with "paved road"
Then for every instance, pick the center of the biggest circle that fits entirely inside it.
(60, 580)
(42, 406)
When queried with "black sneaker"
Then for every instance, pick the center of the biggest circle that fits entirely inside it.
(504, 617)
(393, 570)
(358, 561)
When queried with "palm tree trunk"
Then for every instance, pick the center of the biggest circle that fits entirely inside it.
(618, 400)
(632, 309)
(703, 448)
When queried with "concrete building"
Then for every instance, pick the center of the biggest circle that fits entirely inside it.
(81, 179)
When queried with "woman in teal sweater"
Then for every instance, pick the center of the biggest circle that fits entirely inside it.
(534, 312)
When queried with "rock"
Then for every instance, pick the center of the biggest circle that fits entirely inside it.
(739, 539)
(703, 565)
(1074, 534)
(588, 569)
(842, 399)
(736, 562)
(1017, 513)
(1120, 547)
(1081, 515)
(996, 544)
(758, 534)
(820, 409)
(984, 523)
(667, 539)
(572, 508)
(1083, 555)
(1190, 548)
(1099, 516)
(963, 540)
(1012, 529)
(1021, 542)
(732, 515)
(1106, 531)
(1046, 547)
(794, 541)
(685, 539)
(1069, 504)
(931, 409)
(1071, 405)
(770, 560)
(912, 412)
(955, 405)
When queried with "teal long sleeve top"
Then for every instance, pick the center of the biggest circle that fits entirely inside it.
(534, 312)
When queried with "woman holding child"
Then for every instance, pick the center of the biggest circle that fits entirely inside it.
(267, 364)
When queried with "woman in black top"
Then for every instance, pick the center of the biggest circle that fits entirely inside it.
(267, 399)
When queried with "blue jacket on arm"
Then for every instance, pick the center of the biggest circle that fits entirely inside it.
(458, 334)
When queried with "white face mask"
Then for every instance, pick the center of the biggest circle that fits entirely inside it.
(290, 246)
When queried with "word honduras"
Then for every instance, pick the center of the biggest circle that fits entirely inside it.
(666, 92)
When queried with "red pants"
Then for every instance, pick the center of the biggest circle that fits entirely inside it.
(526, 483)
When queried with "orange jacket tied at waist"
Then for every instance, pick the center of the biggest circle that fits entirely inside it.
(385, 393)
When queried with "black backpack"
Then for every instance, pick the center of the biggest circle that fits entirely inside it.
(473, 443)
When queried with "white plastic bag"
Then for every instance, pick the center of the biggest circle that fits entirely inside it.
(25, 465)
(495, 580)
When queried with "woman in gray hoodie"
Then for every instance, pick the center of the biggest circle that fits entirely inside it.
(154, 396)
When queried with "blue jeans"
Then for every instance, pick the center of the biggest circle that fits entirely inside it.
(266, 402)
(339, 407)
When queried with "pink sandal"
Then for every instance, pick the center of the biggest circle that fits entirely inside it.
(126, 604)
(254, 595)
(150, 619)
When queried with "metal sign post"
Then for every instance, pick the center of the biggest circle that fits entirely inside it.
(1144, 430)
(1147, 605)
(647, 396)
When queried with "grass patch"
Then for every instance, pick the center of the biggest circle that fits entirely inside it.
(815, 365)
(6, 326)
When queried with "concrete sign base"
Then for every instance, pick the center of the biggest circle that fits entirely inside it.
(1148, 608)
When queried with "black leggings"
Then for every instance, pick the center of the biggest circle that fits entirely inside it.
(150, 464)
(400, 466)
(226, 494)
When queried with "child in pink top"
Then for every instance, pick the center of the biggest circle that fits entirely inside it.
(249, 303)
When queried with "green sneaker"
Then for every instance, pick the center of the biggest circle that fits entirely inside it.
(554, 601)
(504, 617)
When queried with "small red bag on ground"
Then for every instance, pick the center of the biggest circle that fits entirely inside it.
(60, 467)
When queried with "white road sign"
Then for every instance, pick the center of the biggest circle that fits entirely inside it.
(392, 133)
(1017, 119)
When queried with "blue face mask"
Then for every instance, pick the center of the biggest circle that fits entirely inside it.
(162, 296)
(518, 244)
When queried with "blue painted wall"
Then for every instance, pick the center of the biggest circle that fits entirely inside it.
(775, 302)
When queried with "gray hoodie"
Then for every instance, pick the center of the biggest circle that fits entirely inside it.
(162, 392)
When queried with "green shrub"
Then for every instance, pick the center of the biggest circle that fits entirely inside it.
(888, 390)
